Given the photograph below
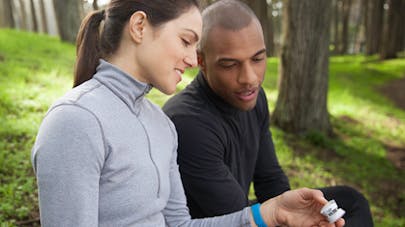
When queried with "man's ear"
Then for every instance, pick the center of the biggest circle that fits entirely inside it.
(137, 24)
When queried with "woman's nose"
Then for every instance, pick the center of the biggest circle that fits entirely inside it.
(191, 59)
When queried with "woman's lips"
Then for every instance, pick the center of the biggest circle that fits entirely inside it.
(179, 72)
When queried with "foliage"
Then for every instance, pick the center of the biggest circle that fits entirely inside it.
(36, 69)
(367, 127)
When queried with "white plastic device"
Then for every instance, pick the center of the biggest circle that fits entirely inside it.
(332, 212)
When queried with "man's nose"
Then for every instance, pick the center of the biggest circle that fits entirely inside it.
(247, 75)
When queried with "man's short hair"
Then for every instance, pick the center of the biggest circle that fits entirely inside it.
(227, 14)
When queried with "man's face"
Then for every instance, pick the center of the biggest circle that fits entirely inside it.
(234, 63)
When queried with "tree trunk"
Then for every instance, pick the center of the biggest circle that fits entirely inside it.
(336, 20)
(393, 35)
(374, 26)
(51, 22)
(303, 84)
(34, 20)
(345, 26)
(365, 21)
(38, 13)
(270, 40)
(260, 8)
(95, 5)
(43, 16)
(358, 36)
(68, 14)
(267, 23)
(24, 24)
(6, 14)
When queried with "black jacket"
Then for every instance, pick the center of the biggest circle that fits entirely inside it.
(222, 150)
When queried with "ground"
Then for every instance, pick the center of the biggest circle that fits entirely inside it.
(395, 91)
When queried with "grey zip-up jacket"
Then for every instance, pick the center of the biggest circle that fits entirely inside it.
(106, 156)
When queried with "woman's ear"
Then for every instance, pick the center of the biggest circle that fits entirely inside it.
(137, 24)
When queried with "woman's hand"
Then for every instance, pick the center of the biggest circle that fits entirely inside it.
(299, 207)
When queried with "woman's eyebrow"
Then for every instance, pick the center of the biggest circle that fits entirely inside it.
(196, 38)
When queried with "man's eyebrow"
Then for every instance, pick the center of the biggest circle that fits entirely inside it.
(196, 38)
(226, 59)
(232, 59)
(260, 52)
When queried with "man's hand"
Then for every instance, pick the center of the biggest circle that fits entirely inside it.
(299, 207)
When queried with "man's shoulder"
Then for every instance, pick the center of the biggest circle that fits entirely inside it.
(188, 102)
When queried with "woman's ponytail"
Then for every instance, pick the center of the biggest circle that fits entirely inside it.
(88, 47)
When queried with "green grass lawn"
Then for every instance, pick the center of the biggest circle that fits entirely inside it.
(36, 69)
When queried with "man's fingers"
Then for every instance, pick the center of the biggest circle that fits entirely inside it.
(317, 195)
(340, 222)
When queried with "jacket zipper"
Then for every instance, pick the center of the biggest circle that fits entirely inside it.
(147, 89)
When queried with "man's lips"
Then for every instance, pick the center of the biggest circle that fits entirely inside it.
(247, 95)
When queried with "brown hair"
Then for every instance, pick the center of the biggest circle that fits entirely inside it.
(91, 44)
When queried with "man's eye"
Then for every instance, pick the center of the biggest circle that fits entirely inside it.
(258, 59)
(227, 65)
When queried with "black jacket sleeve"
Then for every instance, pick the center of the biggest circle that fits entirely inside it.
(269, 179)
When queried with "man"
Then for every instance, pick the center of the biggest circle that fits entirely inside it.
(222, 120)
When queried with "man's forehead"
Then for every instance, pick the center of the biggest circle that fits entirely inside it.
(226, 41)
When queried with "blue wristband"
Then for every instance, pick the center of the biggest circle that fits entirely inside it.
(256, 215)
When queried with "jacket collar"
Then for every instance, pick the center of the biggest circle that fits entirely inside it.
(219, 103)
(127, 88)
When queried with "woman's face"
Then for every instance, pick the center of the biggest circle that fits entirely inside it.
(169, 49)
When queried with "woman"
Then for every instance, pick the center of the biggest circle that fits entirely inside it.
(105, 155)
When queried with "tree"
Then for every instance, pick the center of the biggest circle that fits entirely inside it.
(335, 27)
(6, 15)
(303, 80)
(69, 14)
(344, 35)
(261, 8)
(270, 30)
(374, 25)
(39, 16)
(358, 34)
(394, 31)
(34, 15)
(95, 5)
(51, 21)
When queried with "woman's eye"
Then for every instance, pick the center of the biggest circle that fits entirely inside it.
(186, 43)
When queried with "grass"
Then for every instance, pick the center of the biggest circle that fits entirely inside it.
(36, 69)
